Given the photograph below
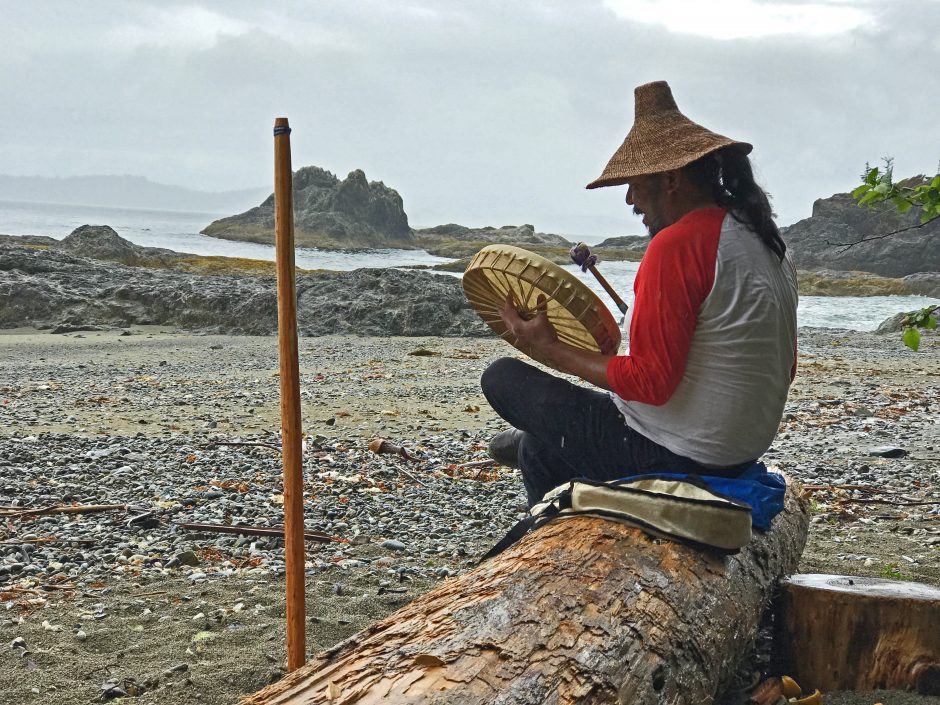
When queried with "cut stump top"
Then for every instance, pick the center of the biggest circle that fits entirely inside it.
(860, 585)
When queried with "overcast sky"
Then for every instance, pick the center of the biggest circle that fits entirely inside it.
(481, 113)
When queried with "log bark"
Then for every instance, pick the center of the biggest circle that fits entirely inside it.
(582, 610)
(852, 633)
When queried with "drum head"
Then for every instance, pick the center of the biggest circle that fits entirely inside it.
(579, 316)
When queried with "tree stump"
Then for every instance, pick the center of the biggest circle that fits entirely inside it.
(851, 633)
(582, 610)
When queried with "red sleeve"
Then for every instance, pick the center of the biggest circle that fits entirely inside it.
(675, 277)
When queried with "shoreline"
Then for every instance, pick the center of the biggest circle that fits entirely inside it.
(96, 279)
(97, 417)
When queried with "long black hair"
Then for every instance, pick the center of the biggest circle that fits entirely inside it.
(728, 174)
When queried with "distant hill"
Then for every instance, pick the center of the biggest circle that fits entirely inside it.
(124, 192)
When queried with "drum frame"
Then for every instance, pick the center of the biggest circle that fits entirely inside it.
(498, 270)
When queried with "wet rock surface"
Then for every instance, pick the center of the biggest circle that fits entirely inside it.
(125, 599)
(828, 282)
(518, 235)
(51, 287)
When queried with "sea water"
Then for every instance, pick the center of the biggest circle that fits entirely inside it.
(847, 312)
(179, 231)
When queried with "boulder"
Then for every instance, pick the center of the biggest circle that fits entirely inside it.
(353, 213)
(895, 323)
(101, 242)
(923, 283)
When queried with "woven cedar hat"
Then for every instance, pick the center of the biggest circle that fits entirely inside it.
(661, 139)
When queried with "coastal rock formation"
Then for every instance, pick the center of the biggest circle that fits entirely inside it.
(50, 288)
(924, 283)
(101, 242)
(827, 282)
(40, 240)
(353, 213)
(385, 302)
(519, 235)
(813, 242)
(636, 243)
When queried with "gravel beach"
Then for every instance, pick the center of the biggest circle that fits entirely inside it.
(158, 429)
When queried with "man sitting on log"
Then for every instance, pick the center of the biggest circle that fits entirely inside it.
(712, 336)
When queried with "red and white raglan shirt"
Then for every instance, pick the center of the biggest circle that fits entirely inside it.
(712, 341)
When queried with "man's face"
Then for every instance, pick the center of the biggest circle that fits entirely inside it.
(644, 193)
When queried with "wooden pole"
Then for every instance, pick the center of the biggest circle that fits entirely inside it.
(290, 398)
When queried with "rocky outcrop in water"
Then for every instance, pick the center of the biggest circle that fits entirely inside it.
(827, 282)
(52, 288)
(636, 243)
(101, 242)
(814, 242)
(353, 213)
(518, 235)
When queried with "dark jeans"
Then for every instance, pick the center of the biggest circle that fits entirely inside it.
(571, 431)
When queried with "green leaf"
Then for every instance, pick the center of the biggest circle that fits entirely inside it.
(902, 204)
(872, 177)
(935, 182)
(931, 323)
(869, 197)
(912, 338)
(860, 191)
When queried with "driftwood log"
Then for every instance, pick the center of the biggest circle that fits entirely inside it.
(851, 633)
(582, 610)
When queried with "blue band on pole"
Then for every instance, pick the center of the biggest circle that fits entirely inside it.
(281, 130)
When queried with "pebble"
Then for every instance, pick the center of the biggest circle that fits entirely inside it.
(425, 521)
(887, 452)
(182, 479)
(186, 558)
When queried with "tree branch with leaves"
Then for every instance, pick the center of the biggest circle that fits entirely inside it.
(878, 187)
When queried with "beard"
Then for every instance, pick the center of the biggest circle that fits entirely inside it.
(653, 224)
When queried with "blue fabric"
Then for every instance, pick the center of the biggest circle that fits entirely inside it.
(760, 489)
